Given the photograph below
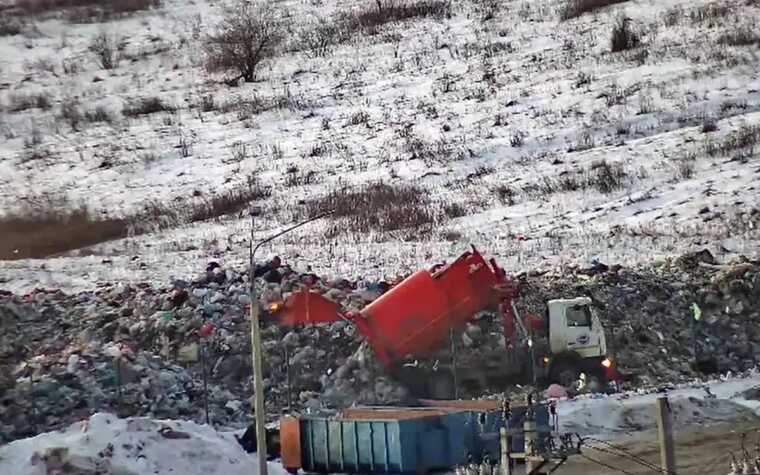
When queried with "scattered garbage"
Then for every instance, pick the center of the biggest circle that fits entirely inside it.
(139, 350)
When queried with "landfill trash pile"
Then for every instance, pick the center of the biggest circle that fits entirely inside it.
(140, 350)
(104, 443)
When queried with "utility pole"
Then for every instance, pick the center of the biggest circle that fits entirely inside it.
(505, 440)
(665, 434)
(258, 379)
(454, 363)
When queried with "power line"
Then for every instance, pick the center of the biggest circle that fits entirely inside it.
(626, 454)
(629, 457)
(606, 465)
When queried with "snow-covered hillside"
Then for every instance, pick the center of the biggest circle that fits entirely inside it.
(542, 146)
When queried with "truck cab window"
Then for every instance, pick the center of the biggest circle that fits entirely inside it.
(579, 316)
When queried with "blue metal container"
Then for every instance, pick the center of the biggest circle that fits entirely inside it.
(402, 440)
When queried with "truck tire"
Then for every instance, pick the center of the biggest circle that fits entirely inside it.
(441, 386)
(565, 373)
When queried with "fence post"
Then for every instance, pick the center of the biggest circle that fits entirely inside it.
(287, 378)
(665, 435)
(35, 415)
(454, 363)
(205, 377)
(118, 386)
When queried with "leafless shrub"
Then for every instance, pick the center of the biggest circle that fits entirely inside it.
(446, 83)
(71, 65)
(517, 139)
(21, 102)
(615, 95)
(709, 125)
(103, 46)
(505, 194)
(35, 137)
(646, 103)
(320, 37)
(71, 112)
(576, 8)
(358, 118)
(454, 210)
(583, 79)
(442, 150)
(295, 177)
(624, 37)
(710, 13)
(146, 106)
(148, 158)
(745, 137)
(256, 104)
(10, 26)
(248, 34)
(276, 152)
(376, 207)
(674, 15)
(585, 141)
(40, 65)
(239, 152)
(685, 169)
(98, 114)
(487, 9)
(207, 103)
(601, 176)
(185, 146)
(370, 18)
(606, 178)
(480, 172)
(739, 35)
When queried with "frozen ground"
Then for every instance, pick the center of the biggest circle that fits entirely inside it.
(490, 115)
(134, 446)
(631, 414)
(142, 445)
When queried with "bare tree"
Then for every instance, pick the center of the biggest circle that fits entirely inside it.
(248, 34)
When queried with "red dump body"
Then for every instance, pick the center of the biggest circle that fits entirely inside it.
(414, 317)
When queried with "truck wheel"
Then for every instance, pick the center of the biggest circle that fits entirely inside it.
(564, 373)
(441, 386)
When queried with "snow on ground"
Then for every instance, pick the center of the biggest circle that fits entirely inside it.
(508, 107)
(133, 446)
(628, 414)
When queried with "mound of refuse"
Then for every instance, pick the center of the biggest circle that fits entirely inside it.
(183, 351)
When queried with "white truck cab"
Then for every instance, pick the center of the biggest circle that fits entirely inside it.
(575, 327)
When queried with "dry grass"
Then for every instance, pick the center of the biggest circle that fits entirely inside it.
(746, 137)
(377, 207)
(576, 8)
(18, 102)
(50, 227)
(741, 35)
(86, 11)
(146, 106)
